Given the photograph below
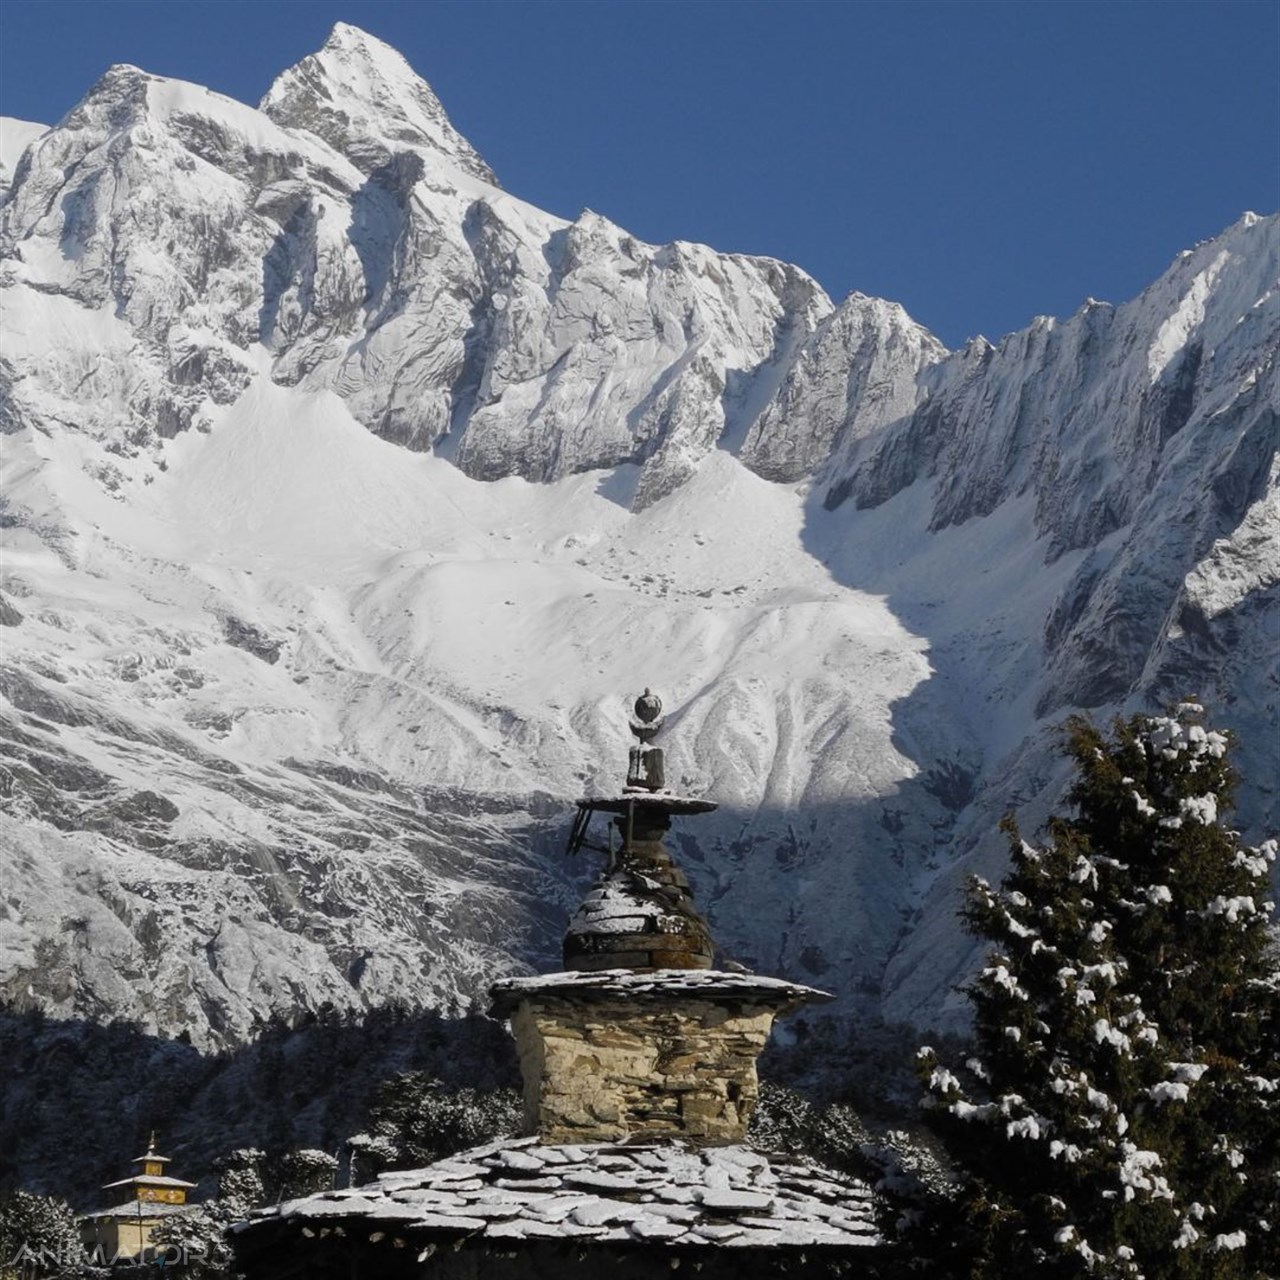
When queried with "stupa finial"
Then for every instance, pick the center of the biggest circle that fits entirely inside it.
(646, 765)
(640, 914)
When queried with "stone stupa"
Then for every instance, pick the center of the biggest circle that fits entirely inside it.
(639, 1036)
(639, 1066)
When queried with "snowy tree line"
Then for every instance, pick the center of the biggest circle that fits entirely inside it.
(98, 1090)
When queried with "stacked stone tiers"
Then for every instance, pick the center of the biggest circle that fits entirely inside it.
(641, 914)
(639, 1066)
(614, 1055)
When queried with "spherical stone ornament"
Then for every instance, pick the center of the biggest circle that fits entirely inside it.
(646, 717)
(648, 707)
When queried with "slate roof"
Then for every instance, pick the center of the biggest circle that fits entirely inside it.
(147, 1180)
(150, 1209)
(667, 983)
(657, 1193)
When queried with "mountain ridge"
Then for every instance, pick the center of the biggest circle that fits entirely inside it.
(344, 502)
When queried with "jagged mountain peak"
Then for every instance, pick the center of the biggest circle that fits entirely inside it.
(119, 87)
(208, 125)
(346, 35)
(364, 99)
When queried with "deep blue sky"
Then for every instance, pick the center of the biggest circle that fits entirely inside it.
(979, 162)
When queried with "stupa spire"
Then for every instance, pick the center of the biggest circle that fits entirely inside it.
(639, 1037)
(640, 914)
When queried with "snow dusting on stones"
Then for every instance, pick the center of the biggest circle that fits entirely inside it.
(664, 1194)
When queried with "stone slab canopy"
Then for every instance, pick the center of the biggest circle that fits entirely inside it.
(517, 1209)
(640, 1038)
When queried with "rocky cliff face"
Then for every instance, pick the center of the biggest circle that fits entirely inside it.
(1117, 471)
(351, 232)
(857, 372)
(1142, 441)
(300, 670)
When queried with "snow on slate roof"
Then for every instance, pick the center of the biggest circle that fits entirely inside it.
(148, 1180)
(621, 801)
(131, 1209)
(661, 1193)
(507, 992)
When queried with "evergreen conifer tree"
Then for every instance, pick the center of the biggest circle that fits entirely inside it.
(415, 1118)
(39, 1238)
(1120, 1116)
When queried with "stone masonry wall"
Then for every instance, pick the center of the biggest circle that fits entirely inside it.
(604, 1070)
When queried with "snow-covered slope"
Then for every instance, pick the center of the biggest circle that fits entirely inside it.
(298, 707)
(294, 711)
(365, 101)
(1110, 485)
(15, 137)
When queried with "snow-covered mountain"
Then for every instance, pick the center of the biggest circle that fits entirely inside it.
(346, 496)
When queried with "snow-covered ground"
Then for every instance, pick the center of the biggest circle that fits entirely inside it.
(443, 632)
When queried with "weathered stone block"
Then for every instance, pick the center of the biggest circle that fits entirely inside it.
(606, 1069)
